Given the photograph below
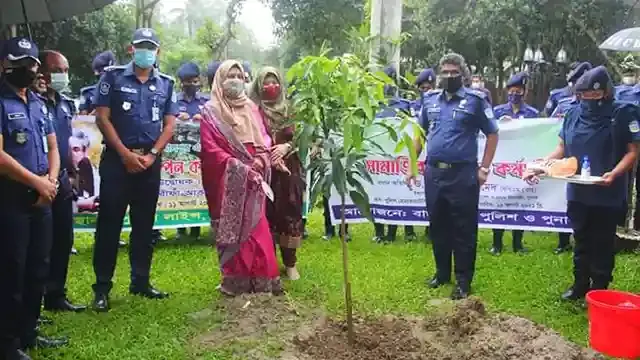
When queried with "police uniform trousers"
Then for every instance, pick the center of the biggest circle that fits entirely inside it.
(24, 263)
(119, 190)
(329, 229)
(594, 232)
(62, 242)
(452, 193)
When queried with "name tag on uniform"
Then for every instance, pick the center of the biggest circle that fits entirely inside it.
(128, 90)
(16, 116)
(45, 144)
(155, 114)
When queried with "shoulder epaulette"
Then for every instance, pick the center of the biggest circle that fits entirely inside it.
(115, 67)
(87, 88)
(477, 93)
(434, 92)
(168, 77)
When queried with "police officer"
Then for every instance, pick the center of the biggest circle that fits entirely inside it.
(29, 167)
(562, 105)
(136, 109)
(607, 132)
(54, 73)
(246, 66)
(514, 109)
(425, 81)
(88, 94)
(452, 117)
(190, 104)
(477, 83)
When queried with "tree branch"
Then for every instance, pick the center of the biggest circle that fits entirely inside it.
(233, 11)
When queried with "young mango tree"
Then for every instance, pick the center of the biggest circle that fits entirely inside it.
(335, 102)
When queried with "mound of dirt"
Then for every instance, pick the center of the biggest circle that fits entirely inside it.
(466, 332)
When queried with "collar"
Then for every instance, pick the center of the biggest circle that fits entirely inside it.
(459, 94)
(181, 96)
(6, 90)
(129, 70)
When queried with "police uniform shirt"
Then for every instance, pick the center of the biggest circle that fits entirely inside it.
(193, 106)
(395, 105)
(554, 98)
(563, 106)
(524, 111)
(87, 98)
(628, 93)
(137, 110)
(452, 126)
(61, 112)
(25, 128)
(604, 140)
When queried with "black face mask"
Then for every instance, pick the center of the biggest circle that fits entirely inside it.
(20, 77)
(191, 90)
(452, 84)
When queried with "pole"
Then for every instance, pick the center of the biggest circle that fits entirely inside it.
(347, 281)
(26, 19)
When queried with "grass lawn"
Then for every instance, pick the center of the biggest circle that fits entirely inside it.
(386, 279)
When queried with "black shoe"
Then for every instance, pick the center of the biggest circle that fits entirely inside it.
(562, 249)
(305, 235)
(16, 355)
(74, 251)
(460, 292)
(148, 292)
(63, 304)
(575, 292)
(122, 244)
(377, 239)
(495, 251)
(44, 321)
(436, 283)
(328, 237)
(521, 250)
(42, 342)
(101, 303)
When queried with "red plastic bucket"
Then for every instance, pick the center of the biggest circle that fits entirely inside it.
(614, 323)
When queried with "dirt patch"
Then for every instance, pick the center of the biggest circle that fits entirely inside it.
(466, 332)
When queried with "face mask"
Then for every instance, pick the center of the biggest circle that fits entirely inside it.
(452, 84)
(144, 58)
(271, 91)
(591, 107)
(629, 80)
(190, 90)
(20, 77)
(477, 85)
(233, 88)
(514, 98)
(59, 81)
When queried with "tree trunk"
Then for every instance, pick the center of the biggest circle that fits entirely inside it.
(345, 270)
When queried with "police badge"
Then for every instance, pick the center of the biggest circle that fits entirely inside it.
(21, 137)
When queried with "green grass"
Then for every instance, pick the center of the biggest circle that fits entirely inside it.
(385, 279)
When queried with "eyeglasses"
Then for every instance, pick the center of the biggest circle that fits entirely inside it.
(590, 94)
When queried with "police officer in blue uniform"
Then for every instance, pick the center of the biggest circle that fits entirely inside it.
(88, 94)
(563, 104)
(190, 104)
(607, 132)
(29, 167)
(452, 117)
(514, 109)
(53, 79)
(136, 110)
(425, 81)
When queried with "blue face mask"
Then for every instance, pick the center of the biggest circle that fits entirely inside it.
(514, 99)
(144, 58)
(591, 107)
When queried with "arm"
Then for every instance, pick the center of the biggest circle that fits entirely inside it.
(103, 115)
(558, 152)
(53, 156)
(489, 150)
(628, 160)
(489, 127)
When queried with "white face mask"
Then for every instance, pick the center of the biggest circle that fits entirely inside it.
(629, 80)
(59, 81)
(477, 85)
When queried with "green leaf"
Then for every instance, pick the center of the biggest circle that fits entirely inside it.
(338, 176)
(361, 200)
(413, 157)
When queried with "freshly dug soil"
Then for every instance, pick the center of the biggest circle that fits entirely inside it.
(465, 333)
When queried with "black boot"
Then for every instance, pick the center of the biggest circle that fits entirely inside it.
(576, 292)
(497, 242)
(517, 242)
(564, 243)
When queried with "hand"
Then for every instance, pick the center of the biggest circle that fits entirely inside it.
(197, 117)
(482, 176)
(42, 202)
(133, 162)
(531, 175)
(411, 181)
(46, 189)
(183, 116)
(257, 165)
(505, 118)
(148, 160)
(279, 151)
(280, 166)
(255, 177)
(607, 179)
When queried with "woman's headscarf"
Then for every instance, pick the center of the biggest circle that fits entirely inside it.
(237, 113)
(276, 111)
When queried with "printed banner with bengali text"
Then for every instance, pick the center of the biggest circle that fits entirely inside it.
(506, 201)
(181, 202)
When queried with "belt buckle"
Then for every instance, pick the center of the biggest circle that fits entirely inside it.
(138, 151)
(442, 165)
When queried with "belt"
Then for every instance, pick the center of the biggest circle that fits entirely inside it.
(447, 165)
(138, 149)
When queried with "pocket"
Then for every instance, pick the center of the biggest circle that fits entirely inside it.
(463, 116)
(20, 132)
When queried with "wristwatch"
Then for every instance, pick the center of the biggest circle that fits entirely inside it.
(154, 152)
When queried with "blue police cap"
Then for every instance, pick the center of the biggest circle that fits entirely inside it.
(102, 60)
(212, 68)
(427, 75)
(246, 66)
(520, 79)
(188, 70)
(145, 35)
(577, 72)
(19, 48)
(390, 71)
(595, 79)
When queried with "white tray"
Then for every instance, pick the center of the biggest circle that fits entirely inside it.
(577, 179)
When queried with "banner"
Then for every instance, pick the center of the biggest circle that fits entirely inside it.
(181, 201)
(506, 201)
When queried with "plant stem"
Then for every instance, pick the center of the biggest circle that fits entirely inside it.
(347, 282)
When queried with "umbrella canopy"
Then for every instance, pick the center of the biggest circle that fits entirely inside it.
(14, 12)
(623, 40)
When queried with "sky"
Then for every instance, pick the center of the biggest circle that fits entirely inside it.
(255, 16)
